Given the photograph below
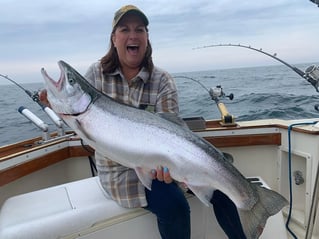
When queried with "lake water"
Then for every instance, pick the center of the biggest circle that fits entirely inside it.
(259, 93)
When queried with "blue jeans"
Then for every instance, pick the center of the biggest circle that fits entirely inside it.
(227, 215)
(168, 203)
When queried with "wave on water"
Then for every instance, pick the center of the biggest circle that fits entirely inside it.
(260, 93)
(279, 106)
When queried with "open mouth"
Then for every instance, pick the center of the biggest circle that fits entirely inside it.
(58, 84)
(133, 48)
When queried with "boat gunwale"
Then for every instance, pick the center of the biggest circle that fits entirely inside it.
(270, 136)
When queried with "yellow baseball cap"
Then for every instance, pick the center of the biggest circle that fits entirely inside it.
(125, 9)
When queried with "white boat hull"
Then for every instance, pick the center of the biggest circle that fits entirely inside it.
(258, 147)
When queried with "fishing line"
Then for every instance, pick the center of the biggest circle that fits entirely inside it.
(290, 176)
(197, 81)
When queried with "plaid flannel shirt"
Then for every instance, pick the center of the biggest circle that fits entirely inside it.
(156, 94)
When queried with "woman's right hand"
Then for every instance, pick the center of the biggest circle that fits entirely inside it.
(162, 174)
(43, 97)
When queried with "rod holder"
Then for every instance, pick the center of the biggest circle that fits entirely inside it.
(36, 121)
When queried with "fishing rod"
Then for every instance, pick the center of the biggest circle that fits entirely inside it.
(315, 2)
(216, 93)
(35, 97)
(197, 81)
(311, 74)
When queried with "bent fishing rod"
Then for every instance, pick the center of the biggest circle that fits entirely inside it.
(216, 94)
(35, 97)
(311, 74)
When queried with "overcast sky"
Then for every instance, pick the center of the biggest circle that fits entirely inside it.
(36, 34)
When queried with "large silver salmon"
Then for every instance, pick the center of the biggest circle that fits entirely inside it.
(142, 140)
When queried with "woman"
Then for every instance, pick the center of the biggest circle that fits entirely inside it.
(127, 74)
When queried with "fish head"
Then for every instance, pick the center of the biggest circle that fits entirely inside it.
(71, 94)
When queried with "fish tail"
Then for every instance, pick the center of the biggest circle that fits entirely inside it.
(254, 220)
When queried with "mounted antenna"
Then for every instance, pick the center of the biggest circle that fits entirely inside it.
(313, 79)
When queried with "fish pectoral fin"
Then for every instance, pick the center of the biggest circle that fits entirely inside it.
(203, 193)
(144, 176)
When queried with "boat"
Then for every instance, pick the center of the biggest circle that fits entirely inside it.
(49, 187)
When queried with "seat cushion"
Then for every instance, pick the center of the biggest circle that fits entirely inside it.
(58, 211)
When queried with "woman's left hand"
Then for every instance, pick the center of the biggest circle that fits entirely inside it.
(162, 174)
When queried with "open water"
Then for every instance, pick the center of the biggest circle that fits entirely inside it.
(259, 93)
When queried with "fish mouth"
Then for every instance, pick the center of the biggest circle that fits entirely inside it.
(51, 82)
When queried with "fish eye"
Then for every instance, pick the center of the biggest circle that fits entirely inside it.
(71, 79)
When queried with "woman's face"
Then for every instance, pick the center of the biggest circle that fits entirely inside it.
(130, 40)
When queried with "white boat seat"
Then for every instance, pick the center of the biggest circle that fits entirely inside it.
(61, 210)
(82, 209)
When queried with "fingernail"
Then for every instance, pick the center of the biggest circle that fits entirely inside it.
(165, 169)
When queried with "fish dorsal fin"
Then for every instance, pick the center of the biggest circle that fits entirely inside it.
(173, 117)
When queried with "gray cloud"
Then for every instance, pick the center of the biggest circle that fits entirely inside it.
(38, 33)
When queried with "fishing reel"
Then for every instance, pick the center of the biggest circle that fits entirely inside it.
(35, 96)
(216, 94)
(312, 76)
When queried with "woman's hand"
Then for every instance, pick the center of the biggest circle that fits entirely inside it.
(43, 97)
(162, 174)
